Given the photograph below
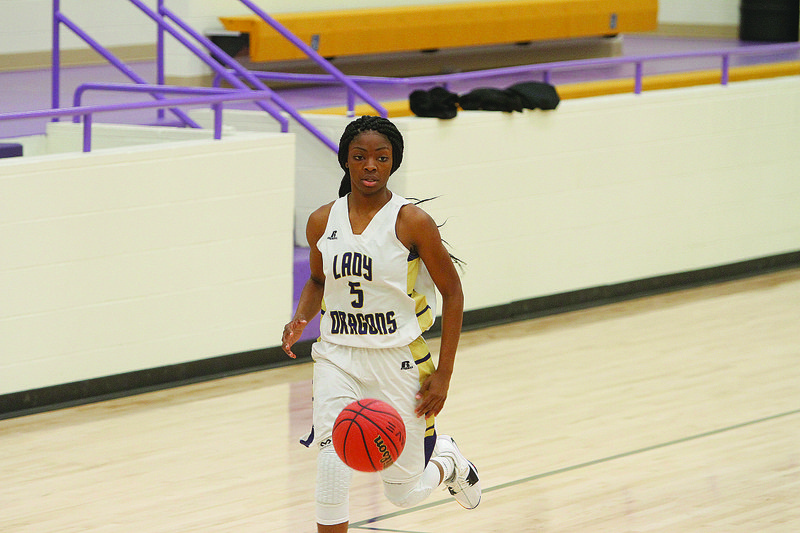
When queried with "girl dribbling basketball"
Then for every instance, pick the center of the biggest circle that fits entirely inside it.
(374, 259)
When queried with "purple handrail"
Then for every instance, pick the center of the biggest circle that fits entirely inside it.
(638, 62)
(235, 72)
(58, 19)
(161, 89)
(160, 18)
(352, 87)
(142, 88)
(160, 65)
(55, 81)
(215, 100)
(546, 69)
(207, 58)
(221, 55)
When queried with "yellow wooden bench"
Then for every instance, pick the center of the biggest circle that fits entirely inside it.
(425, 27)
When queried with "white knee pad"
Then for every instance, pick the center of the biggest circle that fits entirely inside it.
(333, 488)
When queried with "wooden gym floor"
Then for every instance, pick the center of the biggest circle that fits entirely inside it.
(673, 413)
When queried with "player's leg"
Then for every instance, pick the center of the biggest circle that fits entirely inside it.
(332, 492)
(447, 465)
(334, 389)
(415, 491)
(411, 479)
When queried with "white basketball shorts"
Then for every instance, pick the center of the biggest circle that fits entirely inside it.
(344, 374)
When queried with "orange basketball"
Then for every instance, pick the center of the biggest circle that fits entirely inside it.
(369, 435)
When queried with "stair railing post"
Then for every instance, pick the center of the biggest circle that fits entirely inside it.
(55, 81)
(87, 132)
(160, 77)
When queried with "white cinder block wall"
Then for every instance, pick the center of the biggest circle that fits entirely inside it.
(27, 24)
(142, 257)
(600, 191)
(611, 189)
(317, 168)
(714, 13)
(136, 258)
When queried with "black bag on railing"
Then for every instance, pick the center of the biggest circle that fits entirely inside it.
(488, 99)
(441, 103)
(435, 103)
(536, 95)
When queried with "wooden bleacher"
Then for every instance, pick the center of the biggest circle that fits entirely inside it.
(368, 31)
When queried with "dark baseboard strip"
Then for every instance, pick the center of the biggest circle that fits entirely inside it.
(608, 294)
(141, 381)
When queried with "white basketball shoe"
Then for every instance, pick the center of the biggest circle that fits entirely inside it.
(464, 484)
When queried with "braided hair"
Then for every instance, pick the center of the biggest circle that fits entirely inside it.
(386, 128)
(368, 123)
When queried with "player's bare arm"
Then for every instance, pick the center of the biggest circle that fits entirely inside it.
(418, 231)
(311, 297)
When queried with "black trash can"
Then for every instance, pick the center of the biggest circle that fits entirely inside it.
(769, 20)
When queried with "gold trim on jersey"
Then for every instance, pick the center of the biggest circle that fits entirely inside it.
(421, 308)
(425, 365)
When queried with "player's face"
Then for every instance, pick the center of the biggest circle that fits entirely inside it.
(369, 160)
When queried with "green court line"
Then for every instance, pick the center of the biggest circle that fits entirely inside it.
(364, 524)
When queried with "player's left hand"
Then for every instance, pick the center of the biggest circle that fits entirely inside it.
(432, 395)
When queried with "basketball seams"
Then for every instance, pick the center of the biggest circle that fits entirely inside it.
(357, 421)
(354, 440)
(365, 405)
(381, 412)
(388, 437)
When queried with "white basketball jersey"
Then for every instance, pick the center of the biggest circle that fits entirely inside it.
(377, 294)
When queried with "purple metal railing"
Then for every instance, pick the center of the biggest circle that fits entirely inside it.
(208, 59)
(271, 102)
(545, 69)
(58, 19)
(216, 99)
(160, 49)
(233, 74)
(352, 88)
(142, 88)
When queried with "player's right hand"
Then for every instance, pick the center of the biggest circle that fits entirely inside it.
(291, 333)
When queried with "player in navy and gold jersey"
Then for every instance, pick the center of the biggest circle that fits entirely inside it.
(375, 258)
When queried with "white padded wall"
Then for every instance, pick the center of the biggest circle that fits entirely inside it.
(133, 258)
(26, 25)
(611, 189)
(600, 191)
(141, 257)
(717, 12)
(317, 168)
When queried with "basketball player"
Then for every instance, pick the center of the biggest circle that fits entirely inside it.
(373, 257)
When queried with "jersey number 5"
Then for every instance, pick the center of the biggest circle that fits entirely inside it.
(355, 288)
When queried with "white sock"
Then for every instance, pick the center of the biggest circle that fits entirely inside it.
(448, 467)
